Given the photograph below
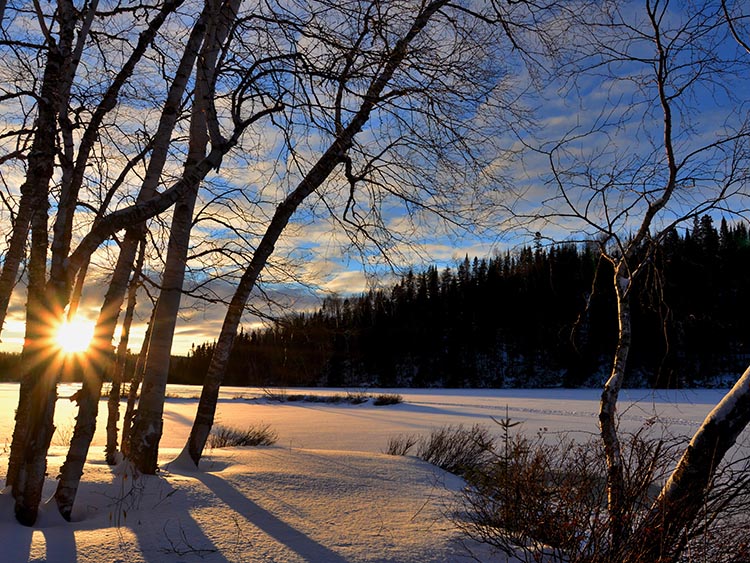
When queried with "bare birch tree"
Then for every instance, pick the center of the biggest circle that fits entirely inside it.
(49, 295)
(422, 77)
(669, 143)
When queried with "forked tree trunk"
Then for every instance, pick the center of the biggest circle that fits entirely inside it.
(148, 423)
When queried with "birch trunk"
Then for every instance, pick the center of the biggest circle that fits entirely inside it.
(34, 193)
(113, 403)
(135, 382)
(684, 494)
(608, 414)
(318, 174)
(43, 365)
(148, 423)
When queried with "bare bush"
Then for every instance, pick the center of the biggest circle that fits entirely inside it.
(226, 437)
(537, 501)
(387, 399)
(401, 445)
(458, 449)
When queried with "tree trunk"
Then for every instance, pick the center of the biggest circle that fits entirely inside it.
(113, 404)
(33, 428)
(135, 382)
(318, 174)
(608, 413)
(43, 361)
(148, 424)
(102, 362)
(684, 494)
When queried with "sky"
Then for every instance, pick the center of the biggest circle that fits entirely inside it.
(601, 129)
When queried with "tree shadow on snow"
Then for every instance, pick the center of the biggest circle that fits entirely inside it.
(307, 548)
(163, 529)
(17, 540)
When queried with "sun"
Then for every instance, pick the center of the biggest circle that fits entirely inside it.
(74, 337)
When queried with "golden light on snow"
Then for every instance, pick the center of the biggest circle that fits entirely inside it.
(75, 336)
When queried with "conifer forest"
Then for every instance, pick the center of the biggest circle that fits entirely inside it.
(539, 316)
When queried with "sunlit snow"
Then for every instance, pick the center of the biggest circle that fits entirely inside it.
(325, 493)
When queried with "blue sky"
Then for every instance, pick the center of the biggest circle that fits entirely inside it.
(612, 129)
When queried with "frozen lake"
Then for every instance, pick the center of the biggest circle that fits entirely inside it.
(323, 494)
(367, 428)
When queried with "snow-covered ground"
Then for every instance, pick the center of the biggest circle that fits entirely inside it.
(325, 493)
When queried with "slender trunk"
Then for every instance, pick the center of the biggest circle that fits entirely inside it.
(77, 293)
(608, 415)
(217, 368)
(16, 247)
(102, 362)
(148, 424)
(312, 181)
(135, 382)
(113, 404)
(72, 468)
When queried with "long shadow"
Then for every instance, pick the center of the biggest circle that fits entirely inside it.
(180, 535)
(60, 544)
(178, 417)
(20, 548)
(303, 545)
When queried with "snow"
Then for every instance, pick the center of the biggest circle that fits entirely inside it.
(324, 493)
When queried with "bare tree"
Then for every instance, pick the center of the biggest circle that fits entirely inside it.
(48, 296)
(646, 161)
(390, 68)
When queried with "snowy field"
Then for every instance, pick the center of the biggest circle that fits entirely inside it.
(325, 493)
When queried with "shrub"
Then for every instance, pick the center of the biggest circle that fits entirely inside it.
(387, 399)
(536, 501)
(400, 445)
(356, 398)
(226, 437)
(456, 449)
(351, 397)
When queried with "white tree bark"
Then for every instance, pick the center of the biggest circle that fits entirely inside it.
(148, 423)
(103, 362)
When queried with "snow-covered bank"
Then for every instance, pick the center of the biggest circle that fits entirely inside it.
(323, 494)
(251, 505)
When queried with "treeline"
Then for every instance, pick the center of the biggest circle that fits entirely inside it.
(536, 317)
